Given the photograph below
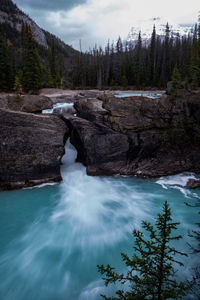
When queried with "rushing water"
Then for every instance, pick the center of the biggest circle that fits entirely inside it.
(53, 237)
(147, 95)
(56, 106)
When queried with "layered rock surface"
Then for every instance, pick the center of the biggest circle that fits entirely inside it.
(101, 149)
(31, 148)
(138, 136)
(132, 114)
(27, 103)
(127, 136)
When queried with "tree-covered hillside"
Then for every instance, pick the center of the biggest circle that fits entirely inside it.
(8, 6)
(12, 49)
(120, 64)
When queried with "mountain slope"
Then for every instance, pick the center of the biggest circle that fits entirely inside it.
(11, 20)
(13, 16)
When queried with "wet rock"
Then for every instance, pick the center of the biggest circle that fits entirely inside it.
(91, 110)
(133, 114)
(35, 103)
(137, 135)
(193, 183)
(31, 148)
(27, 103)
(101, 149)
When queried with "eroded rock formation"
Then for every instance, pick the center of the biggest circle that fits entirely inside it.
(138, 136)
(26, 103)
(128, 136)
(31, 148)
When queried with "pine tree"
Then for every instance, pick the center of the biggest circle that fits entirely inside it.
(195, 61)
(150, 273)
(138, 56)
(195, 247)
(55, 78)
(17, 85)
(6, 66)
(175, 82)
(32, 68)
(152, 57)
(165, 73)
(195, 283)
(199, 33)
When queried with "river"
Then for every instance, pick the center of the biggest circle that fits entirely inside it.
(52, 237)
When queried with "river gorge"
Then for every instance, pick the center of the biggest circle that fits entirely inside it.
(54, 235)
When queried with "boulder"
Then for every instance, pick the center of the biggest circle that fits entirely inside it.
(3, 101)
(193, 183)
(101, 149)
(27, 103)
(35, 103)
(31, 148)
(137, 135)
(91, 110)
(134, 114)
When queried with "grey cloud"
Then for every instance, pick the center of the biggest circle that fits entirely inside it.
(49, 5)
(70, 32)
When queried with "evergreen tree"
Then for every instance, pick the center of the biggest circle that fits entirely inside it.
(150, 272)
(152, 57)
(55, 78)
(138, 66)
(195, 61)
(17, 85)
(195, 234)
(175, 82)
(195, 283)
(165, 73)
(199, 33)
(32, 68)
(8, 6)
(6, 66)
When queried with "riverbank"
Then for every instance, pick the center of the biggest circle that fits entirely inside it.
(149, 136)
(50, 92)
(53, 237)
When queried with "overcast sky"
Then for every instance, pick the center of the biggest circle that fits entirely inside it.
(96, 21)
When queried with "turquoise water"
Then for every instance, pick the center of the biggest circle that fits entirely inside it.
(53, 237)
(147, 95)
(57, 105)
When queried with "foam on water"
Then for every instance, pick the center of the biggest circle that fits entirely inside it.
(179, 182)
(40, 185)
(147, 95)
(71, 227)
(57, 105)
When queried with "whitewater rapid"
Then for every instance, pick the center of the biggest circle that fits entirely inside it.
(53, 237)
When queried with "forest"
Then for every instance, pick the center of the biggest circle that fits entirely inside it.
(143, 65)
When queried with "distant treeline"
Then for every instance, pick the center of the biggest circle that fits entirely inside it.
(27, 66)
(141, 65)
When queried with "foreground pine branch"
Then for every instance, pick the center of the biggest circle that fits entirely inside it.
(150, 271)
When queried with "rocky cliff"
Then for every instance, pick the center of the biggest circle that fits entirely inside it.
(31, 148)
(137, 135)
(128, 136)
